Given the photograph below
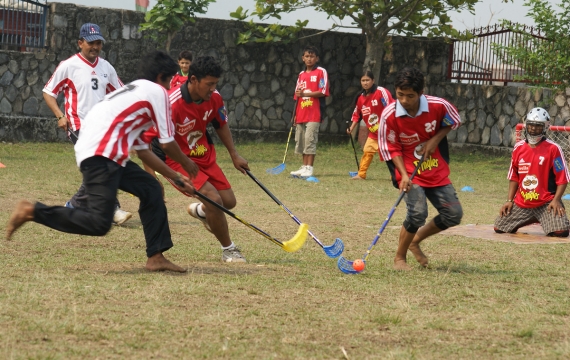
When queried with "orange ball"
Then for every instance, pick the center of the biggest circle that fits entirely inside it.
(358, 265)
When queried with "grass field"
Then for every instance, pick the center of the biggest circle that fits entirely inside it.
(74, 297)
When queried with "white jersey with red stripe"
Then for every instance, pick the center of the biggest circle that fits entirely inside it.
(83, 83)
(115, 124)
(538, 171)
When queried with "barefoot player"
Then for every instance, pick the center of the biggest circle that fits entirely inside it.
(111, 129)
(416, 125)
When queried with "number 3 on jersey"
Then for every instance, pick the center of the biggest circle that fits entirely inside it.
(430, 126)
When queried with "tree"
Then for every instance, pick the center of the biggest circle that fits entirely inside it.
(546, 59)
(168, 16)
(377, 19)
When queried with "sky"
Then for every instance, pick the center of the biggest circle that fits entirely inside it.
(487, 12)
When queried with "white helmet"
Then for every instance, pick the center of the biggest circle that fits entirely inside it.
(537, 116)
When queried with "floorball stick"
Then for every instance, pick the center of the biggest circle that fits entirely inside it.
(279, 168)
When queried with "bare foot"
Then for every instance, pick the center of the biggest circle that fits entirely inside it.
(23, 213)
(418, 253)
(401, 265)
(356, 177)
(158, 262)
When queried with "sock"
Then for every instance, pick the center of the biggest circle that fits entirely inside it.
(228, 247)
(200, 211)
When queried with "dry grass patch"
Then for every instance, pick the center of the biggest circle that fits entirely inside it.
(68, 297)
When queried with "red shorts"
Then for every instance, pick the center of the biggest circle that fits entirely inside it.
(212, 174)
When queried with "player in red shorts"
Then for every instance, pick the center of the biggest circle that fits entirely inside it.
(369, 106)
(195, 104)
(416, 125)
(537, 180)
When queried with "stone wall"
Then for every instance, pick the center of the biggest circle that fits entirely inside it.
(257, 85)
(491, 113)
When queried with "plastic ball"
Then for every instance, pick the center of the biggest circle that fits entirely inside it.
(358, 265)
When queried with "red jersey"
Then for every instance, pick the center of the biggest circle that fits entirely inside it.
(402, 135)
(538, 171)
(190, 120)
(310, 109)
(178, 79)
(369, 107)
(115, 125)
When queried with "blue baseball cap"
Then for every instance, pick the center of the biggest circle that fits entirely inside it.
(90, 32)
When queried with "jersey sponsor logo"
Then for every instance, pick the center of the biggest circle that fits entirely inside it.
(223, 113)
(392, 136)
(365, 110)
(558, 164)
(322, 83)
(409, 139)
(529, 183)
(302, 85)
(93, 73)
(185, 127)
(373, 123)
(524, 167)
(307, 101)
(427, 165)
(313, 78)
(196, 150)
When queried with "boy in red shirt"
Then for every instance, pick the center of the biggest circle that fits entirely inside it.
(184, 61)
(416, 125)
(369, 106)
(312, 87)
(537, 180)
(195, 104)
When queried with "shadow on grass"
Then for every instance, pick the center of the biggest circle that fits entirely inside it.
(194, 269)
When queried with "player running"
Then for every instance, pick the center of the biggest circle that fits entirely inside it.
(369, 106)
(195, 104)
(111, 129)
(538, 177)
(416, 125)
(84, 78)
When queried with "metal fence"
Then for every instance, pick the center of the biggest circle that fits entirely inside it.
(23, 24)
(474, 61)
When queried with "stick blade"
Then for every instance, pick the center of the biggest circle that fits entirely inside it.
(335, 249)
(352, 173)
(276, 170)
(345, 266)
(298, 240)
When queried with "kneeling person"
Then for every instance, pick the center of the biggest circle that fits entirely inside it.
(538, 177)
(195, 104)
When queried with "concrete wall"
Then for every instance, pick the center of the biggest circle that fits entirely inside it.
(257, 85)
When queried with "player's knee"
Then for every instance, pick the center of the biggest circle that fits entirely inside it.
(411, 227)
(451, 217)
(560, 233)
(230, 203)
(101, 226)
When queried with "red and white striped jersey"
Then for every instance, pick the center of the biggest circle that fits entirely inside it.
(115, 125)
(369, 107)
(538, 171)
(402, 135)
(310, 109)
(84, 84)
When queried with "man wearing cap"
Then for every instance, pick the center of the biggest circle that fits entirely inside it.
(84, 79)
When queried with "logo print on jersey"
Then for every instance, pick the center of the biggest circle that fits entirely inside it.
(558, 164)
(307, 101)
(529, 183)
(409, 139)
(193, 138)
(322, 83)
(427, 165)
(93, 73)
(524, 167)
(447, 120)
(365, 110)
(185, 127)
(313, 79)
(373, 123)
